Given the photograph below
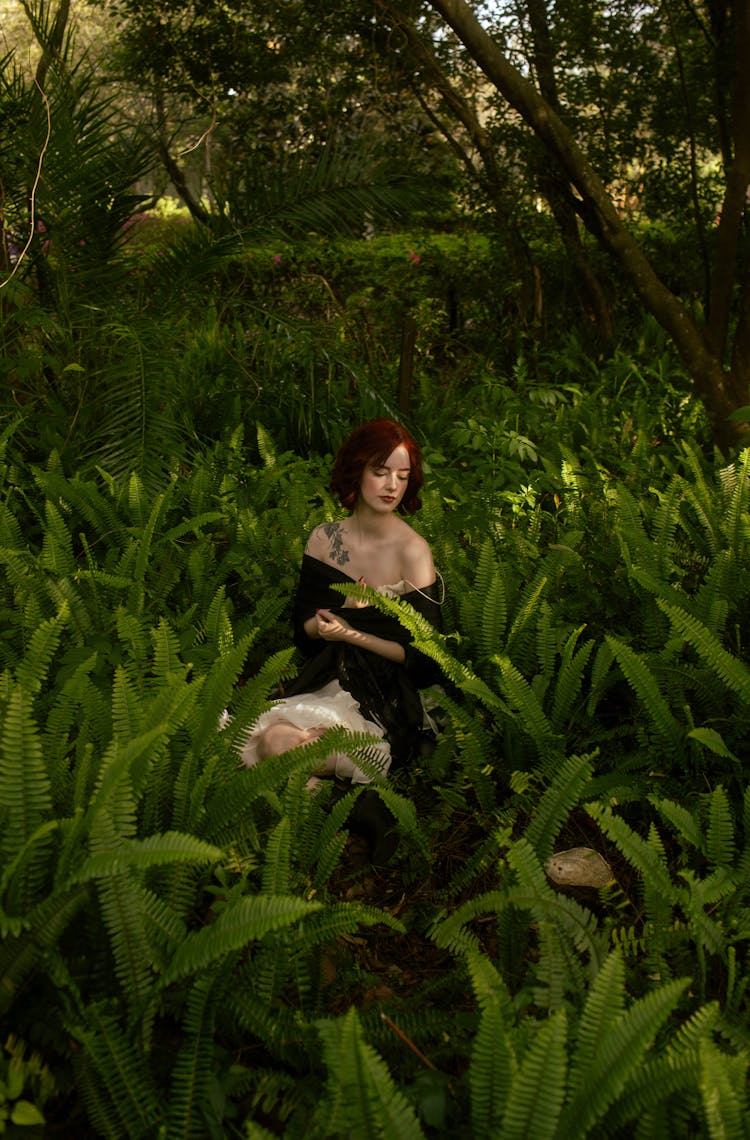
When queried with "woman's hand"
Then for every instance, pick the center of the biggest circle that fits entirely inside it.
(331, 627)
(353, 603)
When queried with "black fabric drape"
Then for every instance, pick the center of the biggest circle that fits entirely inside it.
(387, 692)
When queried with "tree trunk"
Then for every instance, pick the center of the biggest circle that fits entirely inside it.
(52, 46)
(721, 391)
(172, 166)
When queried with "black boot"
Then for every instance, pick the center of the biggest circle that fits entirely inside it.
(377, 824)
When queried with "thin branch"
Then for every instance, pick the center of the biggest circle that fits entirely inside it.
(407, 1041)
(208, 131)
(32, 196)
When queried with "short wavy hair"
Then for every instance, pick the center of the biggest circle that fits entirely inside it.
(371, 444)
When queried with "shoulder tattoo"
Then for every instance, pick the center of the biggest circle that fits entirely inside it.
(338, 552)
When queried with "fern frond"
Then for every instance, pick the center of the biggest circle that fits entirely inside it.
(277, 860)
(428, 641)
(57, 545)
(640, 677)
(127, 715)
(45, 923)
(122, 911)
(167, 661)
(450, 933)
(618, 1059)
(218, 688)
(361, 1097)
(521, 697)
(720, 837)
(736, 499)
(192, 1074)
(153, 851)
(562, 794)
(575, 922)
(569, 678)
(523, 620)
(546, 642)
(32, 669)
(605, 1004)
(666, 522)
(494, 613)
(328, 854)
(734, 674)
(122, 1075)
(644, 856)
(493, 1064)
(25, 796)
(636, 546)
(723, 1085)
(85, 496)
(23, 874)
(246, 920)
(218, 624)
(536, 1096)
(147, 528)
(682, 820)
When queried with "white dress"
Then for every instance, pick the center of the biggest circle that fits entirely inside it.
(325, 708)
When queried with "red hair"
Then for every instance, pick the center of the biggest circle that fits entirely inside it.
(370, 445)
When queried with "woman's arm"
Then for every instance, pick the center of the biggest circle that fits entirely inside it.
(331, 627)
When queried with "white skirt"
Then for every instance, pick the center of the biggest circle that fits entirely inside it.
(325, 708)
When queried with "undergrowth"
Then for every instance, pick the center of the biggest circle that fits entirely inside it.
(193, 949)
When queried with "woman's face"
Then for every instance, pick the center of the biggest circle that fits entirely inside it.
(283, 737)
(383, 485)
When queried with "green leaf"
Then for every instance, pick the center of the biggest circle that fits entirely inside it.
(26, 1113)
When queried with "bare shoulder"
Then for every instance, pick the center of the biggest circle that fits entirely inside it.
(328, 543)
(418, 566)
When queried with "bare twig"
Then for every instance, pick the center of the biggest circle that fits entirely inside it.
(407, 1041)
(206, 134)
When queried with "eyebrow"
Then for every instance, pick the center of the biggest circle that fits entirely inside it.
(385, 467)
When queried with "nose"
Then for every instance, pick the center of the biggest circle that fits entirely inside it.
(390, 481)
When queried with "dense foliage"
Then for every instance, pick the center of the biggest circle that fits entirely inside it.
(188, 949)
(196, 948)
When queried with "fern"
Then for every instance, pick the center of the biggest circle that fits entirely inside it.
(169, 847)
(20, 954)
(537, 1093)
(569, 679)
(361, 1098)
(32, 669)
(682, 820)
(247, 920)
(428, 641)
(515, 648)
(276, 865)
(644, 856)
(25, 796)
(666, 521)
(57, 545)
(191, 1076)
(23, 876)
(720, 840)
(723, 1086)
(493, 1063)
(643, 681)
(604, 1006)
(562, 794)
(729, 669)
(521, 697)
(618, 1060)
(127, 1100)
